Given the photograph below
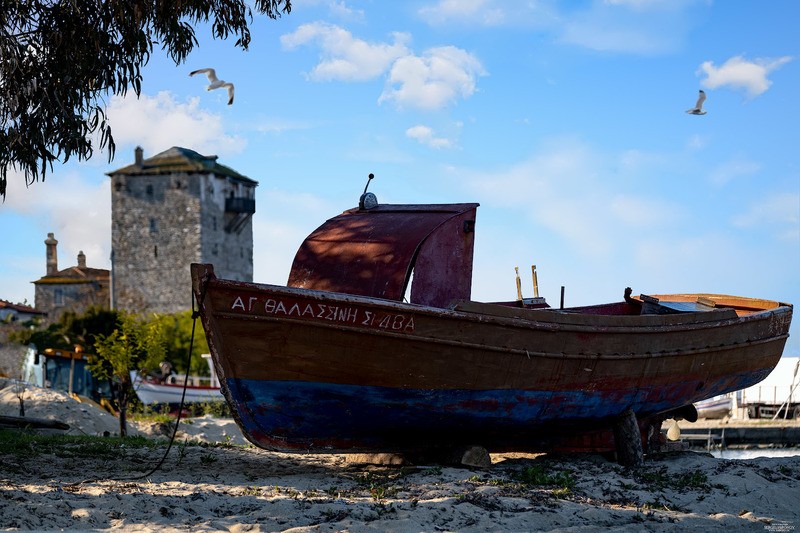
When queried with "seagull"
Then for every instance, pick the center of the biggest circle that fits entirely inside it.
(698, 107)
(215, 83)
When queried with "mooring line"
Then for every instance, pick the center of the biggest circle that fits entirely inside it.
(195, 316)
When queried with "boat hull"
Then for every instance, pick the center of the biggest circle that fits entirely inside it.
(714, 408)
(151, 393)
(319, 372)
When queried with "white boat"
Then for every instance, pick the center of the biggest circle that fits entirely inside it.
(716, 407)
(169, 391)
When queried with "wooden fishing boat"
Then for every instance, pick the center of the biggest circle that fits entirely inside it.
(169, 389)
(716, 407)
(171, 392)
(336, 361)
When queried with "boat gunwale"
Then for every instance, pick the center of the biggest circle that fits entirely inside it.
(545, 319)
(502, 349)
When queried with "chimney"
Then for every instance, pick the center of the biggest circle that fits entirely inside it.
(81, 260)
(52, 255)
(139, 156)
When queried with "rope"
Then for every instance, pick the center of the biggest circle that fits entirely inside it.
(195, 316)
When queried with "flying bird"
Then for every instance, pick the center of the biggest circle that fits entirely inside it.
(698, 107)
(214, 82)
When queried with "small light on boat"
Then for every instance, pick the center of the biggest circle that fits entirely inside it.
(368, 200)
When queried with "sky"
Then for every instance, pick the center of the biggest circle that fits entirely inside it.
(566, 121)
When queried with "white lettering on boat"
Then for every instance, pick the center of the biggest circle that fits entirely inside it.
(347, 314)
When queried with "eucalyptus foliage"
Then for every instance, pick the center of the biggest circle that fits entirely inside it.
(60, 59)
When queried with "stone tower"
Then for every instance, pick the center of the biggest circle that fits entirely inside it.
(173, 209)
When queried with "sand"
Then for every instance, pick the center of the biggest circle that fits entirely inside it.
(230, 486)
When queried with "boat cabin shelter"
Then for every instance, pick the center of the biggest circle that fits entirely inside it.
(377, 252)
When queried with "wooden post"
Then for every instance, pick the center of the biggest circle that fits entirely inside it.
(628, 439)
(535, 282)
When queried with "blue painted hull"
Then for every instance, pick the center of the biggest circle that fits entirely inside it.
(320, 417)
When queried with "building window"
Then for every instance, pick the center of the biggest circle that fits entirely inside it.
(214, 222)
(58, 297)
(153, 226)
(149, 190)
(155, 251)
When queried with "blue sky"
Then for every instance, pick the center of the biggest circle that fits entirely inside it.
(565, 120)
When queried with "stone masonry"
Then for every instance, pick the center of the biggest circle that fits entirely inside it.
(168, 211)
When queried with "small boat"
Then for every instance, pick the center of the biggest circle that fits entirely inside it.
(338, 361)
(168, 389)
(713, 408)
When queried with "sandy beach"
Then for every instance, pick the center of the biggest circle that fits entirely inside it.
(219, 483)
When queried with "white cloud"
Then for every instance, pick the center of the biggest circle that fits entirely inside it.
(425, 135)
(739, 73)
(76, 208)
(345, 57)
(564, 188)
(343, 11)
(434, 79)
(279, 125)
(781, 211)
(641, 27)
(697, 142)
(337, 8)
(480, 11)
(490, 13)
(733, 169)
(284, 226)
(643, 5)
(159, 122)
(604, 33)
(430, 81)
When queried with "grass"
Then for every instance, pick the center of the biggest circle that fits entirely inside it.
(163, 413)
(563, 480)
(660, 479)
(26, 444)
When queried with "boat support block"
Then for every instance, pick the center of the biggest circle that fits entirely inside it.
(628, 439)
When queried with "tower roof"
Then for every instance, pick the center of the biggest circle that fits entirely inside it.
(178, 159)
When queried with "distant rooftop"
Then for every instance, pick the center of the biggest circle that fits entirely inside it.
(76, 274)
(178, 159)
(19, 308)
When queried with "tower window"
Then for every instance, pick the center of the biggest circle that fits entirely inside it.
(149, 190)
(155, 251)
(153, 226)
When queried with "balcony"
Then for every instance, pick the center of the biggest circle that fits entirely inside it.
(240, 205)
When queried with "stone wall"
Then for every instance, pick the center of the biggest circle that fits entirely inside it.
(163, 223)
(59, 297)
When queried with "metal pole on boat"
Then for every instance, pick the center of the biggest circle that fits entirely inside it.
(519, 285)
(562, 297)
(535, 282)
